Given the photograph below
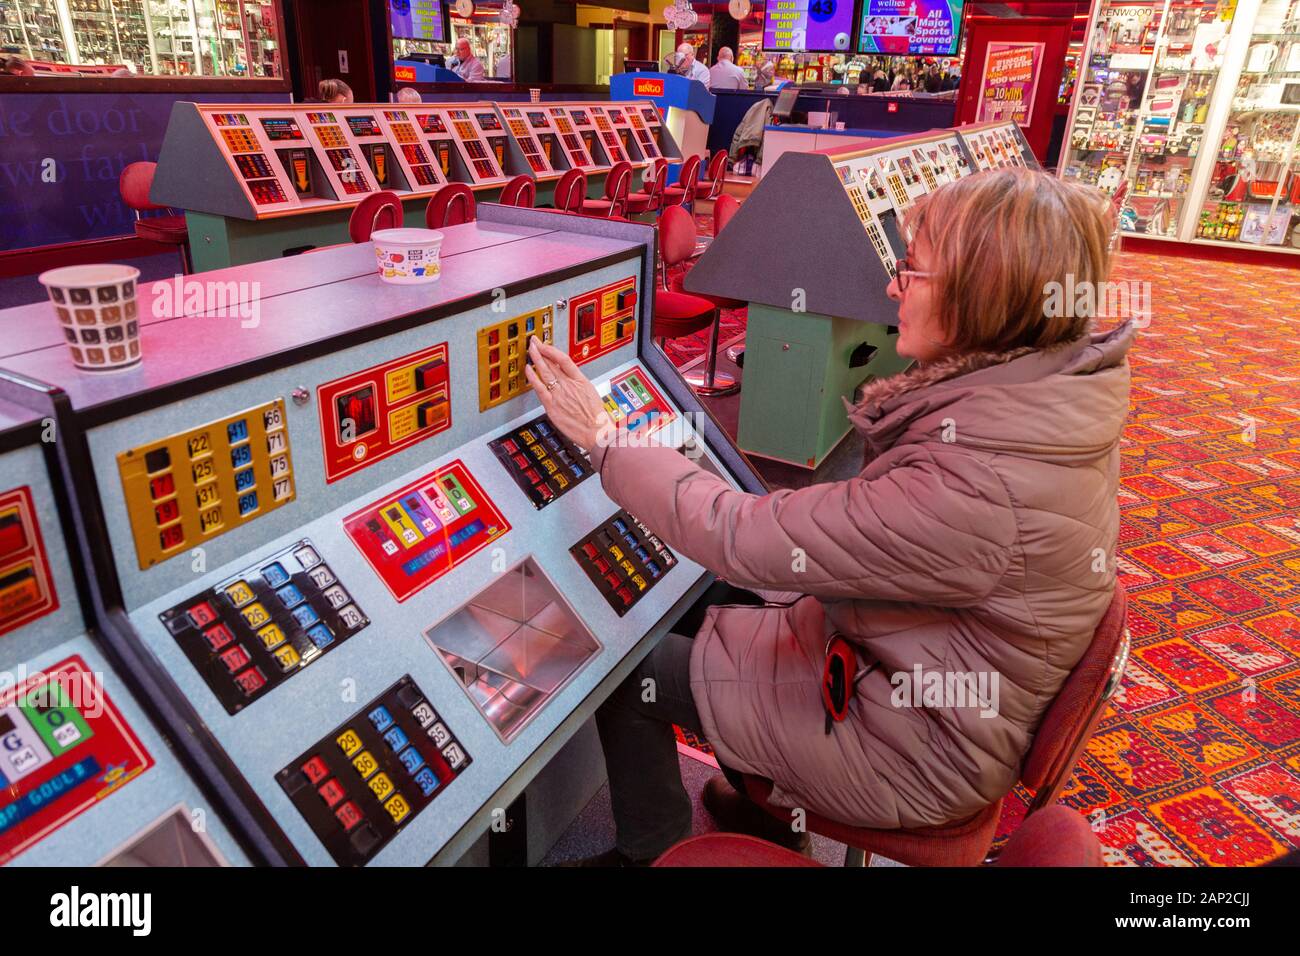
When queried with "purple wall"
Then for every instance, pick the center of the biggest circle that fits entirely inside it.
(90, 137)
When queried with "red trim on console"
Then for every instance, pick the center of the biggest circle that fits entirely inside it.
(28, 262)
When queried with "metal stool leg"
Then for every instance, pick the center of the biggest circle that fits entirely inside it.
(712, 382)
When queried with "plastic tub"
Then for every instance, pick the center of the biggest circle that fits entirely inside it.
(407, 256)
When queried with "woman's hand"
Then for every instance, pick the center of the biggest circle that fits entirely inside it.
(571, 402)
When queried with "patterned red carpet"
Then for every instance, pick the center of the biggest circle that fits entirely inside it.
(1198, 761)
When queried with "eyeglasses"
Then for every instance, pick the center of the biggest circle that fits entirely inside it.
(903, 271)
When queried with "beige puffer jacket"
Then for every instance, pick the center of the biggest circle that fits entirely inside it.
(978, 540)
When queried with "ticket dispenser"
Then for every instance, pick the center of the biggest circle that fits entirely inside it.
(685, 105)
(85, 776)
(820, 321)
(355, 552)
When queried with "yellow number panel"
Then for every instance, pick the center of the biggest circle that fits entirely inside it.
(188, 488)
(502, 354)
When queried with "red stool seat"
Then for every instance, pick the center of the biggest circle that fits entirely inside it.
(961, 844)
(722, 302)
(597, 207)
(168, 229)
(730, 849)
(677, 314)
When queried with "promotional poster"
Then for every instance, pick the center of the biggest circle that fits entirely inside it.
(919, 27)
(1007, 86)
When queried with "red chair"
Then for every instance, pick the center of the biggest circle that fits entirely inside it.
(683, 193)
(676, 245)
(134, 185)
(1056, 836)
(723, 210)
(570, 191)
(714, 178)
(1064, 731)
(451, 205)
(520, 191)
(381, 210)
(618, 182)
(651, 195)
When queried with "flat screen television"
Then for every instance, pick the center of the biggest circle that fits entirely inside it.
(910, 27)
(808, 26)
(420, 20)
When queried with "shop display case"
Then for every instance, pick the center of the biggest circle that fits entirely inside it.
(1253, 190)
(1142, 108)
(1196, 107)
(226, 38)
(32, 28)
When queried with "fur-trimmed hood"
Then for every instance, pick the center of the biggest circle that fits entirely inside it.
(984, 398)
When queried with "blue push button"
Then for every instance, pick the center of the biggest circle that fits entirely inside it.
(427, 781)
(411, 760)
(320, 635)
(381, 718)
(305, 616)
(396, 738)
(289, 596)
(275, 575)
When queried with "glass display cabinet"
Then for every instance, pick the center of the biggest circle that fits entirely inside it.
(225, 38)
(1253, 191)
(1147, 83)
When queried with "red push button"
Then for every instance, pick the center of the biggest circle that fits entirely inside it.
(13, 537)
(218, 637)
(235, 658)
(316, 769)
(202, 614)
(332, 792)
(348, 815)
(251, 681)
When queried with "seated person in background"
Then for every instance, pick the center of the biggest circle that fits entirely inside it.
(334, 91)
(466, 65)
(409, 95)
(765, 72)
(725, 75)
(688, 66)
(975, 547)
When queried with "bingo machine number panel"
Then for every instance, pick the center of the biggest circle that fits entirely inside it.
(259, 627)
(359, 785)
(503, 353)
(65, 747)
(416, 535)
(195, 485)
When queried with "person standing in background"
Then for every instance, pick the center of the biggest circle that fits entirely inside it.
(466, 65)
(765, 73)
(725, 75)
(690, 67)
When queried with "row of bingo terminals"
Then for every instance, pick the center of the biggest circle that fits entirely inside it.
(259, 181)
(85, 776)
(328, 541)
(819, 322)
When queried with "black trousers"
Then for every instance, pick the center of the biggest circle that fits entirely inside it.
(652, 810)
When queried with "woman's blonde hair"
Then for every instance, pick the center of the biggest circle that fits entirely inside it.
(328, 89)
(999, 241)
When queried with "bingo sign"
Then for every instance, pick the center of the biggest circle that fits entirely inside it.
(815, 26)
(916, 27)
(1007, 87)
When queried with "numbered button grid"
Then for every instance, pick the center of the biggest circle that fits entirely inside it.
(256, 629)
(362, 783)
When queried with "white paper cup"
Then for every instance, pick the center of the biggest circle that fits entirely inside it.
(407, 256)
(96, 308)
